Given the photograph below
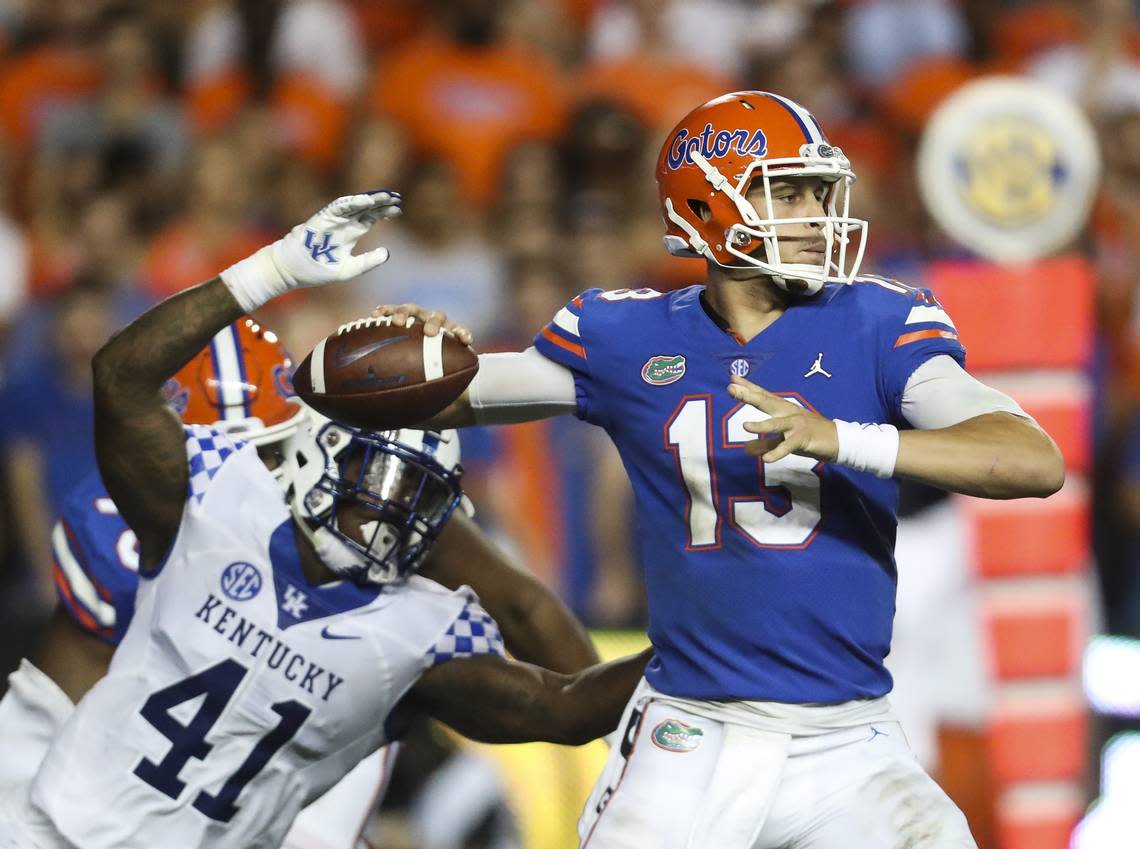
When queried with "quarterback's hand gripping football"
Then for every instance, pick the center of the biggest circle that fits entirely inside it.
(433, 321)
(315, 253)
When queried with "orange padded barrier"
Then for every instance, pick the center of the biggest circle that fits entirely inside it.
(1038, 738)
(1030, 536)
(1044, 823)
(1038, 315)
(1036, 636)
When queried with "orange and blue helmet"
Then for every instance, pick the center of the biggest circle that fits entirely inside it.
(711, 160)
(241, 384)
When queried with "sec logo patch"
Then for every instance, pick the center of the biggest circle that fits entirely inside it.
(241, 581)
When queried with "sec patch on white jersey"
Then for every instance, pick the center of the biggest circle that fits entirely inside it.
(240, 692)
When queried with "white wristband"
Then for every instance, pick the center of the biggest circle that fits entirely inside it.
(870, 448)
(255, 280)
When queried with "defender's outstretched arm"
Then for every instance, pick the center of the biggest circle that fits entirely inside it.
(493, 700)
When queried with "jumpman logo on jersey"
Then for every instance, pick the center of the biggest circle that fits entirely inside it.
(296, 603)
(817, 368)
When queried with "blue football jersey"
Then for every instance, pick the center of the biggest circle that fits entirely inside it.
(775, 581)
(96, 562)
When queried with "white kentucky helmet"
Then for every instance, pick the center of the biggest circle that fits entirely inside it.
(372, 503)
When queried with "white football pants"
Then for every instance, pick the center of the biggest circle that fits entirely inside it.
(683, 781)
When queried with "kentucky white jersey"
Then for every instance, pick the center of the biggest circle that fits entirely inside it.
(240, 692)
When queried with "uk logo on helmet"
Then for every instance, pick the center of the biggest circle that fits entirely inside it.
(714, 145)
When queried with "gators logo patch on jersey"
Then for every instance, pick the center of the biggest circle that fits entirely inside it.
(672, 735)
(661, 370)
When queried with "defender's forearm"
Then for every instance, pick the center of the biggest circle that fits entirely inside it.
(494, 701)
(591, 704)
(546, 633)
(71, 657)
(996, 455)
(139, 359)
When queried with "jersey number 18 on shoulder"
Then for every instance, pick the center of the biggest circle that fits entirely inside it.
(785, 510)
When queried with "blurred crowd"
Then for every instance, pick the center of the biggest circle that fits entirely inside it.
(144, 146)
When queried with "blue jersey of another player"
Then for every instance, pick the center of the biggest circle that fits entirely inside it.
(96, 561)
(773, 581)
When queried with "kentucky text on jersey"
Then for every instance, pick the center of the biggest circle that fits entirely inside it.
(304, 673)
(712, 145)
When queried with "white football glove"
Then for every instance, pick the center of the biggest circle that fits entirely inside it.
(314, 253)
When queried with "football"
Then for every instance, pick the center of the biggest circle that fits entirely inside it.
(374, 374)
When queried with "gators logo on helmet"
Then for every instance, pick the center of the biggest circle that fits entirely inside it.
(715, 144)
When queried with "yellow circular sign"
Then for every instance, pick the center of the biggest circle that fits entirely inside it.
(1009, 169)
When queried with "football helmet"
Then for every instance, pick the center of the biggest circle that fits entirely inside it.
(398, 487)
(711, 159)
(240, 384)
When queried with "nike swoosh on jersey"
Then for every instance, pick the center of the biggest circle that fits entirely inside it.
(343, 359)
(329, 635)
